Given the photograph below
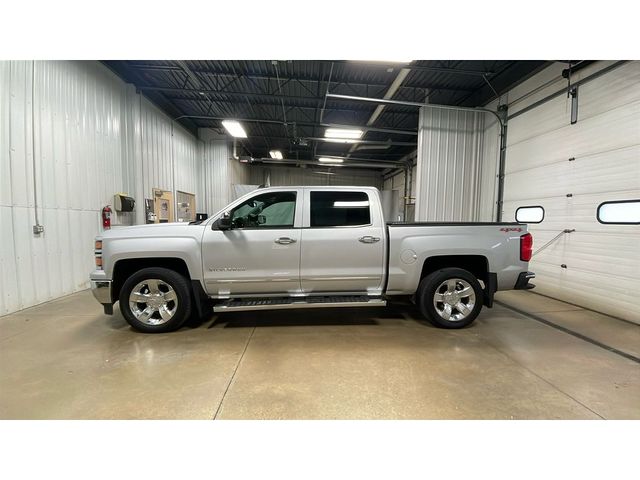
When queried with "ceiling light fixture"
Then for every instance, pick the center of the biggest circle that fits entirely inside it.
(277, 154)
(234, 128)
(340, 140)
(348, 133)
(386, 61)
(330, 160)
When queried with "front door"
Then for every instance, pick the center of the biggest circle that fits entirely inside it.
(261, 253)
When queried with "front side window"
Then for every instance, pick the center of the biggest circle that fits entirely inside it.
(339, 209)
(274, 209)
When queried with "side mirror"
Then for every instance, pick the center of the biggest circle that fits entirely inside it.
(224, 222)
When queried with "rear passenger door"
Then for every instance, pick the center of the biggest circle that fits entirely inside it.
(343, 242)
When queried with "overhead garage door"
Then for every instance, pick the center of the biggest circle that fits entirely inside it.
(571, 169)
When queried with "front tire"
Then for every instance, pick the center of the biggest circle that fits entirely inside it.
(155, 300)
(450, 298)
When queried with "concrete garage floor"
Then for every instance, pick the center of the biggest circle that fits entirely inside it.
(65, 359)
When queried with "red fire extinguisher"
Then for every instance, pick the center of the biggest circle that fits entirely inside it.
(106, 217)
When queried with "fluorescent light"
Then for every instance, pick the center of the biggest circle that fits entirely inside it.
(340, 140)
(234, 128)
(351, 133)
(386, 61)
(330, 160)
(364, 203)
(277, 154)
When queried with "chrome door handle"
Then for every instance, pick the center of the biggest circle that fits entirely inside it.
(285, 240)
(369, 239)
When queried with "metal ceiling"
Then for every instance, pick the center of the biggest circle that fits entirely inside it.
(283, 104)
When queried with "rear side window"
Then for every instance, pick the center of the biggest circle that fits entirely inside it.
(622, 212)
(340, 209)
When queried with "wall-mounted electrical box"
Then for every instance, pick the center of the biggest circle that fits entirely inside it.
(123, 203)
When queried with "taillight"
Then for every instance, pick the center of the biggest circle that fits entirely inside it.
(98, 254)
(526, 247)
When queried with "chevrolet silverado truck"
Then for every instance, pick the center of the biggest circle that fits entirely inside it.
(306, 247)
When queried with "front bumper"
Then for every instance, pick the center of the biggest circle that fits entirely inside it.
(101, 290)
(523, 281)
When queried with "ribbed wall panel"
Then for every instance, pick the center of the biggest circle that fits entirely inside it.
(395, 183)
(280, 176)
(602, 262)
(222, 172)
(94, 137)
(456, 171)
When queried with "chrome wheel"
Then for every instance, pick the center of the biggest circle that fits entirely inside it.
(153, 302)
(454, 299)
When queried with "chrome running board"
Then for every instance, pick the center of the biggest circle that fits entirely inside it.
(246, 304)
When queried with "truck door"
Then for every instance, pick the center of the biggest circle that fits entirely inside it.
(260, 254)
(343, 242)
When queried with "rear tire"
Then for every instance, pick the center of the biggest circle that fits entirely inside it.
(450, 298)
(155, 300)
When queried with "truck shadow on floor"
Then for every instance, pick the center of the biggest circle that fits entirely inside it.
(296, 318)
(305, 317)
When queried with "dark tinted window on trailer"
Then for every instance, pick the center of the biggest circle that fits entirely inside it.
(338, 209)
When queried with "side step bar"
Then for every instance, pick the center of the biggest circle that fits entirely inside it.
(246, 304)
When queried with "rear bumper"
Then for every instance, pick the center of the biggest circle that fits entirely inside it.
(101, 289)
(523, 281)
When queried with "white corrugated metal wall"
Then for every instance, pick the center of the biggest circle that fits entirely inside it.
(94, 136)
(456, 166)
(78, 157)
(279, 176)
(221, 171)
(602, 262)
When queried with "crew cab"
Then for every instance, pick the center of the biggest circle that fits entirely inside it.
(306, 247)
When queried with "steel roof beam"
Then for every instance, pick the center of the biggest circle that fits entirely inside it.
(310, 124)
(310, 79)
(351, 109)
(420, 68)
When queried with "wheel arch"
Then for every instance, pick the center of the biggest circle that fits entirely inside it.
(126, 267)
(478, 265)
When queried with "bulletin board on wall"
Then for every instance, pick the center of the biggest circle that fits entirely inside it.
(186, 206)
(163, 206)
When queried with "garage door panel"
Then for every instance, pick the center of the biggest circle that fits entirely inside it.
(609, 171)
(621, 89)
(595, 291)
(546, 118)
(618, 128)
(578, 212)
(556, 113)
(605, 145)
(585, 252)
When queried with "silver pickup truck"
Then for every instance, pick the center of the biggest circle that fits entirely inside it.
(306, 247)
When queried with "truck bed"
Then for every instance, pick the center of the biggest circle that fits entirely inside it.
(409, 246)
(449, 224)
